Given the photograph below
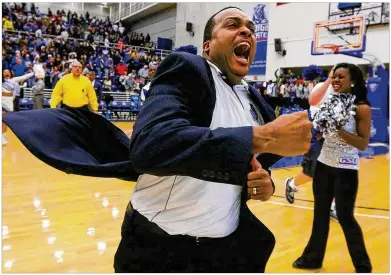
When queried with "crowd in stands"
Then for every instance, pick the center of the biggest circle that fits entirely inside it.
(288, 91)
(56, 40)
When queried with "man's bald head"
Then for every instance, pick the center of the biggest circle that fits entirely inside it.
(77, 64)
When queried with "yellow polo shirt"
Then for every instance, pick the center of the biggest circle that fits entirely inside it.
(74, 92)
(8, 25)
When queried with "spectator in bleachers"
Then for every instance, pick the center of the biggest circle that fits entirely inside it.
(54, 76)
(143, 72)
(37, 60)
(127, 81)
(152, 70)
(121, 68)
(96, 84)
(292, 91)
(86, 69)
(16, 56)
(5, 63)
(19, 68)
(107, 84)
(72, 59)
(74, 91)
(27, 60)
(7, 23)
(284, 92)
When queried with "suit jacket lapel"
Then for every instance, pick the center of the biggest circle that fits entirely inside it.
(265, 109)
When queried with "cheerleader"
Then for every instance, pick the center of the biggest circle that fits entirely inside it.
(336, 175)
(10, 89)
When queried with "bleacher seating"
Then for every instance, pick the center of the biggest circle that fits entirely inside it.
(25, 104)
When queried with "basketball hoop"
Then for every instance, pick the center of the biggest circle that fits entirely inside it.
(332, 47)
(337, 37)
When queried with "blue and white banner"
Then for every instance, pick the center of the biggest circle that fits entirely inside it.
(378, 93)
(259, 15)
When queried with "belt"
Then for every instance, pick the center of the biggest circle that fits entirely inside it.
(84, 107)
(139, 219)
(6, 94)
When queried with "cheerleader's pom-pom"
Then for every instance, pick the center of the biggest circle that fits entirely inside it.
(334, 113)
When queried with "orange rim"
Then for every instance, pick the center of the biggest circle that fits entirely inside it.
(333, 47)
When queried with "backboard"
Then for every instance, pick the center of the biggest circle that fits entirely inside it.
(345, 36)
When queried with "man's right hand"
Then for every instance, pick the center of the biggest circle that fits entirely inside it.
(288, 135)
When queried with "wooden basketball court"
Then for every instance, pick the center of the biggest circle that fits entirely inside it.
(56, 223)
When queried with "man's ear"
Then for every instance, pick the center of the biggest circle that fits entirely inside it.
(206, 47)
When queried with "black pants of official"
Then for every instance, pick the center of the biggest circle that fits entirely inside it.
(342, 184)
(145, 247)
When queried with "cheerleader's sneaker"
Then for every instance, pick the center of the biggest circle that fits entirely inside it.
(333, 215)
(289, 191)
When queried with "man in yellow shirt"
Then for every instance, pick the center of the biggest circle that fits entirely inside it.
(7, 23)
(74, 90)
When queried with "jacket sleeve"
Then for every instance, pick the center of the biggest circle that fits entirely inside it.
(79, 142)
(166, 140)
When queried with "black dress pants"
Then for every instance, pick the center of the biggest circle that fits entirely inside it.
(342, 184)
(145, 247)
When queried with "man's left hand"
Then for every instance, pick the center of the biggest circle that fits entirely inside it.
(259, 183)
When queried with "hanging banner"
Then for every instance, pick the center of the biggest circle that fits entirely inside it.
(259, 15)
(378, 92)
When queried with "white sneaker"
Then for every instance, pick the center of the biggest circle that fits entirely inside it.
(333, 215)
(289, 191)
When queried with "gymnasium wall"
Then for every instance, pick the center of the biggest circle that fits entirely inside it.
(293, 23)
(160, 24)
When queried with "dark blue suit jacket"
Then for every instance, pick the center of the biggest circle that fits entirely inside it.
(170, 137)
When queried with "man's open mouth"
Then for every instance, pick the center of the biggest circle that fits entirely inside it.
(242, 51)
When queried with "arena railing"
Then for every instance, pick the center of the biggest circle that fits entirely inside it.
(128, 9)
(162, 53)
(117, 96)
(122, 111)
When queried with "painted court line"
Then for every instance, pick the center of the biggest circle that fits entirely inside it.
(311, 208)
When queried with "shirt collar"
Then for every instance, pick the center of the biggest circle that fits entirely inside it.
(223, 77)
